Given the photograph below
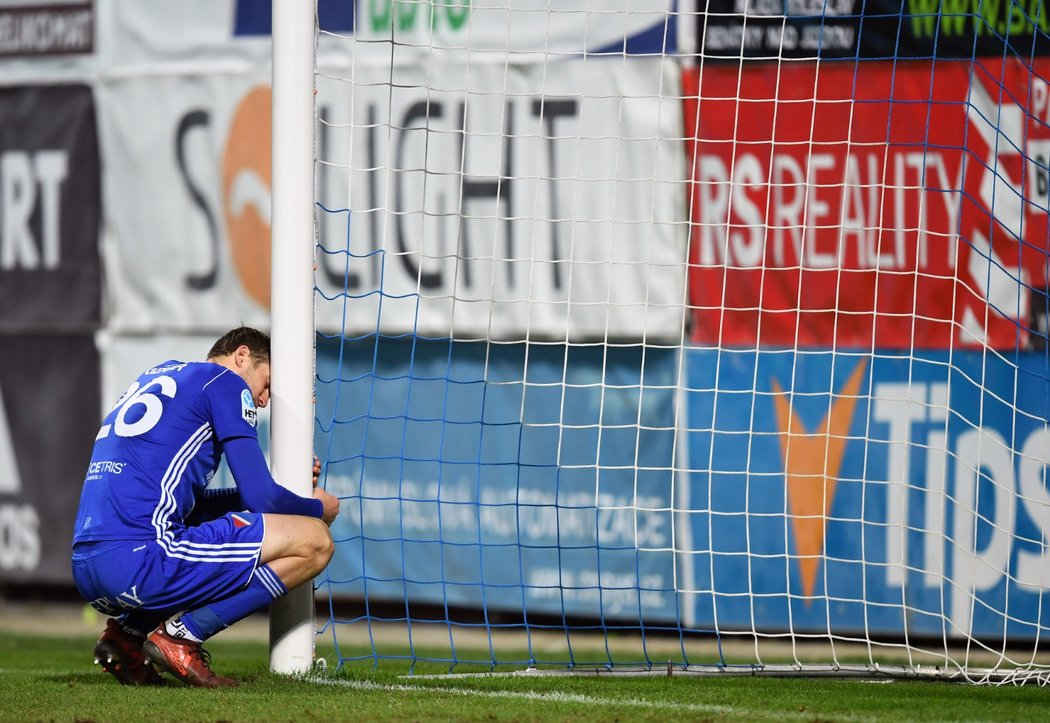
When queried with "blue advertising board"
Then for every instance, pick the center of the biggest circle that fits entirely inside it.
(528, 478)
(879, 492)
(811, 491)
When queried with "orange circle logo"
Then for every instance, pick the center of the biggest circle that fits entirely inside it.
(246, 180)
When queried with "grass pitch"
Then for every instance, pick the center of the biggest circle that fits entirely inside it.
(50, 677)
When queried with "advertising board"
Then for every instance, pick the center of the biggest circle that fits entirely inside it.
(882, 205)
(870, 29)
(50, 210)
(858, 492)
(459, 486)
(49, 415)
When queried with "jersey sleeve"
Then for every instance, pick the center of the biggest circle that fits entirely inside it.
(230, 406)
(257, 488)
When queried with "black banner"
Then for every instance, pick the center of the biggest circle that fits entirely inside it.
(872, 29)
(49, 398)
(50, 209)
(47, 28)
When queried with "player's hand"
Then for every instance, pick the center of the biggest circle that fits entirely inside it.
(329, 504)
(317, 470)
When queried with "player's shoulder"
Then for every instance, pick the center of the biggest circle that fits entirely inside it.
(171, 367)
(230, 397)
(200, 374)
(217, 377)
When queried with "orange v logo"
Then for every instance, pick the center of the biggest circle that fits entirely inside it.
(812, 461)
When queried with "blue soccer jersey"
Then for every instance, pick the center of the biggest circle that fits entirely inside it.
(158, 448)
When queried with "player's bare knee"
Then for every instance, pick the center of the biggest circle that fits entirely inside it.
(328, 548)
(322, 547)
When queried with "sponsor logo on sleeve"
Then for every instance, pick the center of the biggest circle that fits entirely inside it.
(248, 412)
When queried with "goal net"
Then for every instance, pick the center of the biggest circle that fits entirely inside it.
(685, 336)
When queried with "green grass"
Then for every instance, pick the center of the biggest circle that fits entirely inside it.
(51, 678)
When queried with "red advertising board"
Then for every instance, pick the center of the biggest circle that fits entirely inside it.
(895, 205)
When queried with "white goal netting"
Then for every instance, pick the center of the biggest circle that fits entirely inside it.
(673, 325)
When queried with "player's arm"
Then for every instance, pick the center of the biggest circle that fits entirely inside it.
(233, 416)
(259, 491)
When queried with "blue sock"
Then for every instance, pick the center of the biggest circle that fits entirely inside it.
(262, 589)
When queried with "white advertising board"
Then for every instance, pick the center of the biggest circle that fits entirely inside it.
(170, 143)
(556, 212)
(214, 33)
(505, 203)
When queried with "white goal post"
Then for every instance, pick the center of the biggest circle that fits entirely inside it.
(292, 325)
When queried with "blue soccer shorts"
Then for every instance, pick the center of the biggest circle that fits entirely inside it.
(175, 573)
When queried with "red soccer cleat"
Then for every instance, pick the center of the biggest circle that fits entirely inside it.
(120, 654)
(184, 659)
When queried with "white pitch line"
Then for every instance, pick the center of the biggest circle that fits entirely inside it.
(554, 697)
(34, 671)
(558, 697)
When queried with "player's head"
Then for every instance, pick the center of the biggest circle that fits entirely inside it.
(246, 351)
(258, 344)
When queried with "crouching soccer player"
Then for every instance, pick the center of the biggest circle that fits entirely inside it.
(174, 563)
